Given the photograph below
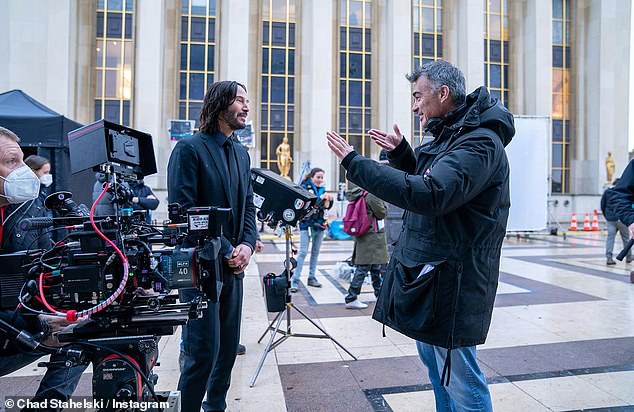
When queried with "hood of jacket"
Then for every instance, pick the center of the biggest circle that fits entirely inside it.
(354, 192)
(478, 110)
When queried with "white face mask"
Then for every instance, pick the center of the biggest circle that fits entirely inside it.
(46, 179)
(21, 185)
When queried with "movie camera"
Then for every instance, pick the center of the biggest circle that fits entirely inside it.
(115, 275)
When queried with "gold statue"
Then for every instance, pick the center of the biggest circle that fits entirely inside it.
(284, 158)
(609, 166)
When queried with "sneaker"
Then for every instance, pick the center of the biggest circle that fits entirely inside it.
(610, 261)
(356, 304)
(294, 288)
(241, 349)
(629, 259)
(314, 283)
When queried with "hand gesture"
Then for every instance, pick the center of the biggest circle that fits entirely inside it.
(338, 145)
(385, 140)
(259, 246)
(239, 258)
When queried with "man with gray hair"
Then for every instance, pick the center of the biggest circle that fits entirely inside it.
(440, 284)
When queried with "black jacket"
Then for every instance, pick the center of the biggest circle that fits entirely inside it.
(455, 191)
(197, 176)
(15, 239)
(607, 205)
(623, 195)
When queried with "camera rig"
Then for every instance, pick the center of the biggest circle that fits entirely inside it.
(115, 276)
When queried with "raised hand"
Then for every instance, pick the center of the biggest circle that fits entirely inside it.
(386, 140)
(338, 145)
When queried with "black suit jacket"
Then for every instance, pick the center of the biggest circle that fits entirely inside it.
(197, 176)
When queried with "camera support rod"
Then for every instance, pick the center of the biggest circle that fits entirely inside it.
(272, 343)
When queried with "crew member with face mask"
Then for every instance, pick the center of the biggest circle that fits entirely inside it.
(17, 239)
(19, 190)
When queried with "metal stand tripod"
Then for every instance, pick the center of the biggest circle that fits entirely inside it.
(274, 326)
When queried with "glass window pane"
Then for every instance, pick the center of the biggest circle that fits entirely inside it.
(428, 19)
(113, 25)
(355, 121)
(277, 117)
(99, 54)
(558, 32)
(278, 35)
(113, 54)
(356, 93)
(211, 30)
(495, 29)
(368, 40)
(265, 89)
(199, 7)
(100, 24)
(355, 65)
(495, 76)
(100, 4)
(558, 56)
(439, 20)
(182, 110)
(368, 96)
(495, 54)
(197, 57)
(184, 28)
(194, 111)
(291, 62)
(556, 183)
(265, 60)
(343, 39)
(278, 61)
(415, 19)
(494, 6)
(343, 16)
(278, 89)
(97, 109)
(355, 17)
(198, 29)
(265, 33)
(557, 9)
(196, 86)
(185, 6)
(111, 111)
(279, 10)
(98, 83)
(115, 5)
(264, 117)
(183, 86)
(428, 45)
(111, 84)
(129, 5)
(211, 58)
(291, 90)
(128, 26)
(558, 130)
(126, 113)
(291, 34)
(356, 39)
(183, 57)
(342, 93)
(368, 66)
(212, 7)
(557, 155)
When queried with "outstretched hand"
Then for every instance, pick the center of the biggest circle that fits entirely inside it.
(386, 140)
(338, 145)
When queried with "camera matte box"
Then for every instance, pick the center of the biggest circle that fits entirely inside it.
(105, 142)
(280, 198)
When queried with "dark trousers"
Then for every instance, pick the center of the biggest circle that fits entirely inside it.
(360, 272)
(210, 345)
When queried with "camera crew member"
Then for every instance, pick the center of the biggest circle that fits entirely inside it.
(19, 185)
(212, 169)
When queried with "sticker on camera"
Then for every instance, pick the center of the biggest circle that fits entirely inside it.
(259, 180)
(258, 200)
(288, 215)
(299, 203)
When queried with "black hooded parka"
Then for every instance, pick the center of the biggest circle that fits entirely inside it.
(455, 193)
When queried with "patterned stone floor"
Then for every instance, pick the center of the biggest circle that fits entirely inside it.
(562, 339)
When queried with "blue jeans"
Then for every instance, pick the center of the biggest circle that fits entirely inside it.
(467, 389)
(304, 240)
(613, 228)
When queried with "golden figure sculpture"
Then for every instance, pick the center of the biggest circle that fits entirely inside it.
(284, 158)
(609, 166)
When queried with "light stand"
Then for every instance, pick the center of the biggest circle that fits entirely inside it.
(274, 326)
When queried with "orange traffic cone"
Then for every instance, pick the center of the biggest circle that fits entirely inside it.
(595, 221)
(573, 222)
(586, 223)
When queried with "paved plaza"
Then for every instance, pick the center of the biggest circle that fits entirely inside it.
(562, 339)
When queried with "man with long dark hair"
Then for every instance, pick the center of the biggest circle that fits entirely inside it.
(212, 169)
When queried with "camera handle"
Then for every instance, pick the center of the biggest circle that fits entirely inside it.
(288, 269)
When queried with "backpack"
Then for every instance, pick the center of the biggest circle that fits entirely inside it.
(355, 221)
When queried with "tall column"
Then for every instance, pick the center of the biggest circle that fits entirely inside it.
(154, 36)
(392, 104)
(317, 98)
(531, 57)
(463, 39)
(601, 57)
(234, 59)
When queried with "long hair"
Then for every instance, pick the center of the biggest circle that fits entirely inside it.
(312, 173)
(218, 98)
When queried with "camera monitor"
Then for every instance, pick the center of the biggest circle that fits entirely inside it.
(279, 199)
(101, 142)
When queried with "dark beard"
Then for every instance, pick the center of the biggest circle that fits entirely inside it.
(232, 120)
